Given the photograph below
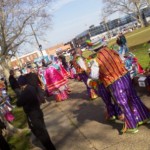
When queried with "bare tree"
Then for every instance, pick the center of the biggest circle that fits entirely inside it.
(16, 17)
(104, 19)
(148, 2)
(127, 7)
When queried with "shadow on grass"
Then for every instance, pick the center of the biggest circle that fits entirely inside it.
(20, 141)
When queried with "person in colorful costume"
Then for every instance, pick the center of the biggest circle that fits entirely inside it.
(132, 64)
(41, 74)
(58, 65)
(80, 66)
(128, 58)
(5, 106)
(63, 61)
(56, 83)
(113, 110)
(116, 78)
(140, 70)
(72, 70)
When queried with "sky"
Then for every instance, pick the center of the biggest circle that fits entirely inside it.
(70, 18)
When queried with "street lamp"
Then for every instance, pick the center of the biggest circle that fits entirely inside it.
(40, 46)
(119, 26)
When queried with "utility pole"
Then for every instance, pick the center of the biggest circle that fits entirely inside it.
(40, 46)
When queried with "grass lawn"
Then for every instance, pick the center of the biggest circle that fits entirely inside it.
(137, 42)
(141, 52)
(20, 141)
(136, 37)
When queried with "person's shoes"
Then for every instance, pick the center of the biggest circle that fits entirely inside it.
(111, 118)
(147, 121)
(107, 117)
(126, 130)
(132, 131)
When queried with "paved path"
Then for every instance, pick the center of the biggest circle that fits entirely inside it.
(79, 124)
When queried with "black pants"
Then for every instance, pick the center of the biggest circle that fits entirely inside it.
(3, 144)
(37, 126)
(17, 92)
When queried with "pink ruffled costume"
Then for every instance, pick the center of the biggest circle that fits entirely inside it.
(56, 83)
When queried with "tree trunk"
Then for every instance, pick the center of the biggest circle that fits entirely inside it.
(142, 22)
(148, 2)
(139, 15)
(6, 69)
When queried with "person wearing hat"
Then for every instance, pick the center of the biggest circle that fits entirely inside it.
(29, 101)
(113, 111)
(81, 68)
(115, 77)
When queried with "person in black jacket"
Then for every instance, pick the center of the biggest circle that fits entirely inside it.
(29, 101)
(14, 84)
(34, 80)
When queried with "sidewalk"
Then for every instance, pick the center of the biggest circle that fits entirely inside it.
(79, 124)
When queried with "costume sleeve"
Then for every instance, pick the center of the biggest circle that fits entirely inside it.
(94, 70)
(81, 63)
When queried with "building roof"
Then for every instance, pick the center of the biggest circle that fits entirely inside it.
(82, 34)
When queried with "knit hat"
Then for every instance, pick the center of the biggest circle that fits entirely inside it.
(22, 80)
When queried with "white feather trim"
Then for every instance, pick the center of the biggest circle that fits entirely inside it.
(81, 63)
(94, 70)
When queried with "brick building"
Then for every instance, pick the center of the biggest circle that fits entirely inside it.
(21, 61)
(58, 48)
